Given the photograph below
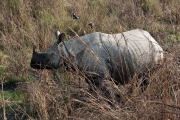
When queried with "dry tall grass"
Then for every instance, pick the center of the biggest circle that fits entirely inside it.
(64, 95)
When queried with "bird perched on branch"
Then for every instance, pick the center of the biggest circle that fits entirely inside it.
(74, 16)
(91, 24)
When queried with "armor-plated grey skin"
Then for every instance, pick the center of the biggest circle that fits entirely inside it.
(101, 55)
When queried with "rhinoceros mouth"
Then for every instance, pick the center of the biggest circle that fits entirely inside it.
(40, 66)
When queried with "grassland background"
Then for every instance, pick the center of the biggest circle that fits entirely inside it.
(45, 94)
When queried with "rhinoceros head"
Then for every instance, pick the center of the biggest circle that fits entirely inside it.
(49, 59)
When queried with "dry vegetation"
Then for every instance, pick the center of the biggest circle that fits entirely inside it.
(65, 95)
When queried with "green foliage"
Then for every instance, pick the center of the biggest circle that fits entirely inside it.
(15, 100)
(3, 58)
(2, 71)
(17, 96)
(148, 6)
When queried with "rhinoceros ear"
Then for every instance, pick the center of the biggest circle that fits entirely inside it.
(57, 33)
(61, 38)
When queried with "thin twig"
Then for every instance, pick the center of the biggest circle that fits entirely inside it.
(173, 106)
(3, 101)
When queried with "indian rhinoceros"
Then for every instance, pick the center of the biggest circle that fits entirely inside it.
(101, 55)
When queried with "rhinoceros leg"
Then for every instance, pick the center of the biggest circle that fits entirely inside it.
(97, 70)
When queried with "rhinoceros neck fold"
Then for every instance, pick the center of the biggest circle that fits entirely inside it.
(63, 50)
(66, 54)
(66, 49)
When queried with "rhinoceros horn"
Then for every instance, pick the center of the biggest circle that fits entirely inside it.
(34, 47)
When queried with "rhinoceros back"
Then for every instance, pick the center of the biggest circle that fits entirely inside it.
(131, 52)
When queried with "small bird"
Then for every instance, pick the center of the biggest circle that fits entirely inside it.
(91, 24)
(74, 16)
